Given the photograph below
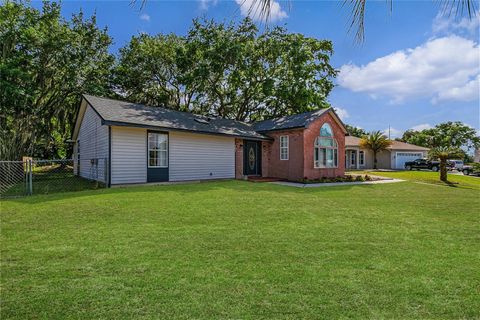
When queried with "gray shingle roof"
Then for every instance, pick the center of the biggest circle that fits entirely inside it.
(116, 111)
(351, 141)
(289, 122)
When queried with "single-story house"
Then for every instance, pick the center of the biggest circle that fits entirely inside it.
(118, 142)
(393, 158)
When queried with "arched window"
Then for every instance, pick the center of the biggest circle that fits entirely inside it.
(326, 149)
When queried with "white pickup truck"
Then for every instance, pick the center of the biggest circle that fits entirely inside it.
(455, 165)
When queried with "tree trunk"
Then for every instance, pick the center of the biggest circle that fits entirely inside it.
(443, 170)
(375, 160)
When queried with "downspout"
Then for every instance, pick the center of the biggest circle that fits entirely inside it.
(109, 182)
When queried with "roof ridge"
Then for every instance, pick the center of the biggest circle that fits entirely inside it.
(292, 115)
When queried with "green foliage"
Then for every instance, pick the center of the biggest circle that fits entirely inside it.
(229, 70)
(345, 178)
(377, 142)
(46, 62)
(356, 131)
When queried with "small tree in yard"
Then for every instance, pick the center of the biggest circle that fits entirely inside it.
(443, 154)
(377, 142)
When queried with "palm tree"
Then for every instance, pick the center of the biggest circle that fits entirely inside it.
(357, 11)
(377, 142)
(443, 154)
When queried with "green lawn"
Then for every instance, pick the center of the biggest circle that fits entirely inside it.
(454, 180)
(240, 250)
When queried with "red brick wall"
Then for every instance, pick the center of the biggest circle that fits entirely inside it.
(300, 158)
(291, 169)
(266, 146)
(309, 136)
(238, 158)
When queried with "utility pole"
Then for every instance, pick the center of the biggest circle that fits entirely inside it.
(389, 133)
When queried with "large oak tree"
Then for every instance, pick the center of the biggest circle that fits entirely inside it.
(46, 62)
(228, 70)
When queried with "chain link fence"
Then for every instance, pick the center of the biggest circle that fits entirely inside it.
(27, 177)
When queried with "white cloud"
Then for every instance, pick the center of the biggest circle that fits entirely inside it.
(145, 17)
(443, 24)
(205, 4)
(466, 92)
(252, 8)
(392, 133)
(444, 68)
(421, 127)
(342, 113)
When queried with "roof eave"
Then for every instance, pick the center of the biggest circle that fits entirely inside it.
(138, 125)
(282, 129)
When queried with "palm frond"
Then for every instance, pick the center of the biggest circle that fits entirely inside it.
(262, 8)
(143, 3)
(459, 7)
(357, 17)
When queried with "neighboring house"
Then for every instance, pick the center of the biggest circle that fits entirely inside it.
(393, 158)
(476, 157)
(118, 142)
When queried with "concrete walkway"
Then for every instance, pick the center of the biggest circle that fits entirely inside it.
(334, 184)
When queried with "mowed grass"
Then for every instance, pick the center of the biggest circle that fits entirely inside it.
(241, 250)
(454, 180)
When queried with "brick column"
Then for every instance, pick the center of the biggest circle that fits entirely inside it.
(239, 159)
(265, 158)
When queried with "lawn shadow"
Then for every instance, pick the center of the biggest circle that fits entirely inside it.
(451, 184)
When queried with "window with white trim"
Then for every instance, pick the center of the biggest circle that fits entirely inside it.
(325, 149)
(157, 150)
(283, 147)
(361, 158)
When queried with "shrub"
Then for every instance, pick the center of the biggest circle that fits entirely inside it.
(368, 178)
(359, 179)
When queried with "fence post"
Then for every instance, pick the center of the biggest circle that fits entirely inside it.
(26, 175)
(30, 184)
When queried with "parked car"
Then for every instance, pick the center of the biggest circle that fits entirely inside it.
(455, 165)
(422, 164)
(471, 170)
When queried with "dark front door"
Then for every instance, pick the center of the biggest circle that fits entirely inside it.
(252, 158)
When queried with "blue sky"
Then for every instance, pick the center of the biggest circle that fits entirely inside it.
(415, 69)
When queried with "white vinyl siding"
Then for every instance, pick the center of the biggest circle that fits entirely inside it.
(200, 156)
(93, 138)
(129, 155)
(283, 147)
